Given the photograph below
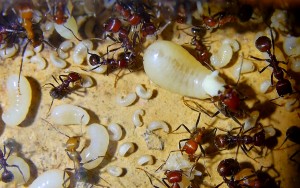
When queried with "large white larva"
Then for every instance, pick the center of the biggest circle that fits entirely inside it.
(172, 67)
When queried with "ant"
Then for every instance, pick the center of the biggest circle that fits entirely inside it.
(264, 44)
(218, 20)
(224, 141)
(174, 177)
(7, 176)
(60, 91)
(58, 11)
(245, 177)
(72, 144)
(197, 137)
(293, 134)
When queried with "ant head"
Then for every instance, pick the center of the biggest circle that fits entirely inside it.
(284, 87)
(228, 167)
(263, 44)
(73, 143)
(94, 59)
(7, 176)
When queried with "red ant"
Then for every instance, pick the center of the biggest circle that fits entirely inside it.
(197, 137)
(225, 141)
(60, 91)
(174, 177)
(264, 44)
(293, 134)
(7, 176)
(218, 20)
(58, 11)
(72, 144)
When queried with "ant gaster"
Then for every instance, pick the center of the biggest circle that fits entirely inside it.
(264, 44)
(7, 176)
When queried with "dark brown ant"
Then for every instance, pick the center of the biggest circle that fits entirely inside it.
(72, 144)
(63, 89)
(293, 134)
(197, 137)
(7, 176)
(264, 44)
(225, 141)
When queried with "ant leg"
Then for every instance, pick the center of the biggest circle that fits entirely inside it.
(61, 77)
(49, 84)
(202, 149)
(292, 156)
(91, 160)
(219, 185)
(182, 125)
(64, 175)
(55, 79)
(21, 66)
(148, 175)
(258, 59)
(262, 70)
(166, 184)
(16, 166)
(179, 145)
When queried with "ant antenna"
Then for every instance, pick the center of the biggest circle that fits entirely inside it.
(21, 66)
(72, 33)
(55, 128)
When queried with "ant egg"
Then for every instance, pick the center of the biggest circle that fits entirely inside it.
(99, 140)
(127, 100)
(100, 68)
(56, 61)
(86, 81)
(81, 51)
(9, 52)
(173, 68)
(19, 100)
(247, 66)
(136, 118)
(63, 48)
(126, 149)
(114, 170)
(279, 20)
(23, 166)
(142, 92)
(250, 122)
(265, 85)
(145, 160)
(295, 64)
(291, 46)
(39, 60)
(50, 179)
(67, 114)
(154, 125)
(115, 132)
(270, 131)
(64, 29)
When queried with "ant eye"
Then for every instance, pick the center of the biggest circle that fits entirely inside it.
(7, 176)
(263, 44)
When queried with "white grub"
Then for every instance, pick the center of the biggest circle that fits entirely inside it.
(264, 86)
(37, 16)
(56, 61)
(127, 100)
(47, 28)
(39, 60)
(295, 64)
(66, 33)
(291, 46)
(145, 160)
(269, 132)
(18, 178)
(142, 92)
(39, 48)
(100, 69)
(114, 170)
(81, 51)
(250, 122)
(87, 81)
(63, 48)
(225, 53)
(247, 66)
(177, 161)
(173, 68)
(115, 131)
(291, 104)
(67, 114)
(213, 84)
(126, 149)
(50, 179)
(136, 118)
(99, 140)
(279, 20)
(154, 125)
(18, 101)
(9, 52)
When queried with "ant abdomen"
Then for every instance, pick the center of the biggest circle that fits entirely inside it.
(263, 43)
(228, 167)
(284, 87)
(94, 59)
(7, 176)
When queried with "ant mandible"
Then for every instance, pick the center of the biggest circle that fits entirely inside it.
(264, 44)
(60, 91)
(7, 176)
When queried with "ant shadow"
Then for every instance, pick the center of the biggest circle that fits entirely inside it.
(94, 118)
(35, 102)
